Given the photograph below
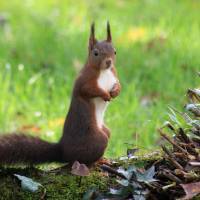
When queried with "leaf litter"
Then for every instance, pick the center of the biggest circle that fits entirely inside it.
(176, 175)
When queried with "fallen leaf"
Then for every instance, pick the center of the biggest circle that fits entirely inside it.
(105, 161)
(123, 182)
(147, 176)
(191, 190)
(115, 192)
(121, 193)
(140, 194)
(28, 184)
(80, 169)
(127, 173)
(139, 197)
(29, 128)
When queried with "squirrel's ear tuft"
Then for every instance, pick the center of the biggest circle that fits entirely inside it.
(92, 40)
(109, 37)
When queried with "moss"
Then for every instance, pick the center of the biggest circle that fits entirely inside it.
(142, 158)
(61, 184)
(58, 185)
(67, 186)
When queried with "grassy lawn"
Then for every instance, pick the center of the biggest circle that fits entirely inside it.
(43, 45)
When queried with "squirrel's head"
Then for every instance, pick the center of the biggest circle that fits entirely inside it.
(101, 53)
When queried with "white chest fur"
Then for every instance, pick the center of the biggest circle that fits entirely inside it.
(106, 81)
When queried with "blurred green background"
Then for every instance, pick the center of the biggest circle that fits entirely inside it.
(43, 45)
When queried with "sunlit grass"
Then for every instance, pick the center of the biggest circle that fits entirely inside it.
(43, 44)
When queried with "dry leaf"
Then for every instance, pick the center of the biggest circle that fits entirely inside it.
(29, 128)
(191, 190)
(80, 169)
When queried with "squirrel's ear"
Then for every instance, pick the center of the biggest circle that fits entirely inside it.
(109, 37)
(92, 40)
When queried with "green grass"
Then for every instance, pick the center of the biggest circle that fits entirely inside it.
(44, 43)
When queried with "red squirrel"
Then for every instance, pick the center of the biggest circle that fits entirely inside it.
(85, 135)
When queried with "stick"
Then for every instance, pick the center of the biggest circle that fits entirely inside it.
(184, 136)
(169, 186)
(171, 158)
(170, 176)
(112, 171)
(172, 142)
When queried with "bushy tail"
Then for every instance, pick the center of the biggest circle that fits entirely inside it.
(19, 148)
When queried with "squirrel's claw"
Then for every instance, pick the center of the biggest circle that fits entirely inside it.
(115, 90)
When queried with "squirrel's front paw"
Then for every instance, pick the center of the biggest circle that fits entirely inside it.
(106, 97)
(115, 90)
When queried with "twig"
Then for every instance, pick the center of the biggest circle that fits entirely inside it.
(195, 164)
(184, 136)
(189, 176)
(112, 171)
(172, 142)
(169, 186)
(171, 158)
(191, 94)
(170, 176)
(185, 145)
(196, 132)
(178, 154)
(195, 139)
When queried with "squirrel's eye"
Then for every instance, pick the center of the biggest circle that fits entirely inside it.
(96, 53)
(115, 52)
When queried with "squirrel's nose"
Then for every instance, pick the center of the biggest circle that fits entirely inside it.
(108, 62)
